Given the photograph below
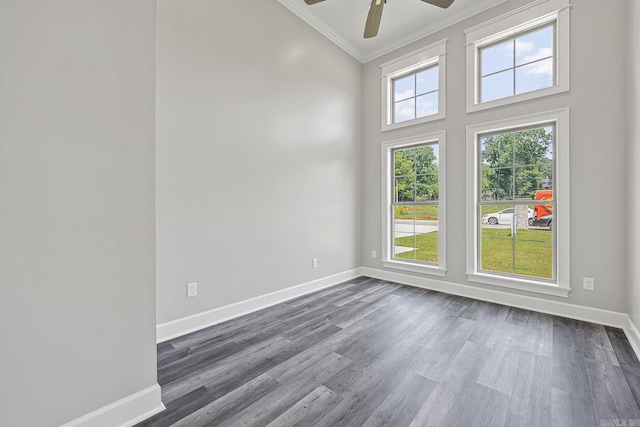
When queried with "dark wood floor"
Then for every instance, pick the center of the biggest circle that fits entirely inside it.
(372, 353)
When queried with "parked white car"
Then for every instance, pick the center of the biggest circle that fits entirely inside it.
(505, 216)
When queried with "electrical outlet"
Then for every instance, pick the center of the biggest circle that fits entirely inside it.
(374, 254)
(192, 289)
(314, 263)
(588, 283)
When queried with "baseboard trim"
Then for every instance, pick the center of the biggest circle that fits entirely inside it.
(185, 325)
(125, 412)
(633, 335)
(557, 308)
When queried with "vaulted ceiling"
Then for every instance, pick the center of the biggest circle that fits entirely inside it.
(403, 22)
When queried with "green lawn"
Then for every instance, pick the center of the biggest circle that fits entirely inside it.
(421, 212)
(426, 244)
(533, 251)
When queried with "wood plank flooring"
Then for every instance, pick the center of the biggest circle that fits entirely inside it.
(373, 353)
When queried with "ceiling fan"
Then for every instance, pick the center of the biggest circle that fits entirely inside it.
(375, 13)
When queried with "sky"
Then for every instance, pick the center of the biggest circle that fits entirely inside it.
(508, 68)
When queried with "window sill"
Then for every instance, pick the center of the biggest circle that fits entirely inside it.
(415, 268)
(527, 96)
(412, 122)
(520, 284)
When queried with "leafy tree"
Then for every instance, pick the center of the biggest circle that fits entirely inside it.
(516, 164)
(416, 174)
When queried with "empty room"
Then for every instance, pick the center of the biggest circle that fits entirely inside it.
(319, 213)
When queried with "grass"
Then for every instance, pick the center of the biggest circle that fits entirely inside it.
(533, 251)
(426, 244)
(427, 213)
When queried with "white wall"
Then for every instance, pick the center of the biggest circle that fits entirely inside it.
(633, 102)
(77, 246)
(258, 153)
(598, 150)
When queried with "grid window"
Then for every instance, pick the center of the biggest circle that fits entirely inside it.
(415, 203)
(520, 64)
(413, 87)
(519, 56)
(416, 95)
(414, 217)
(515, 203)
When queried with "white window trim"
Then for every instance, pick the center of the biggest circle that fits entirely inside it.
(427, 56)
(517, 21)
(561, 189)
(387, 195)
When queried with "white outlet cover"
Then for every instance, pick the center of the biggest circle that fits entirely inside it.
(588, 283)
(374, 254)
(192, 289)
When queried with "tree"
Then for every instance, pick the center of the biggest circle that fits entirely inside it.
(515, 164)
(416, 174)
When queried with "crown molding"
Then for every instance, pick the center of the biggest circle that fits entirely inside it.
(298, 8)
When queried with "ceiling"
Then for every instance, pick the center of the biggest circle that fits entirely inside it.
(403, 22)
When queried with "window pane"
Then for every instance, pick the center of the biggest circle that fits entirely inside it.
(496, 254)
(404, 189)
(533, 147)
(404, 231)
(489, 185)
(497, 150)
(426, 159)
(497, 184)
(427, 245)
(501, 216)
(404, 162)
(543, 211)
(534, 258)
(427, 188)
(496, 86)
(427, 105)
(504, 184)
(427, 80)
(535, 45)
(496, 58)
(404, 87)
(405, 110)
(529, 180)
(534, 76)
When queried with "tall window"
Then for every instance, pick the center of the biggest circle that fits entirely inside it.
(413, 87)
(519, 56)
(518, 189)
(516, 168)
(414, 219)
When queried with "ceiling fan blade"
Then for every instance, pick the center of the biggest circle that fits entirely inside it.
(373, 18)
(312, 1)
(440, 3)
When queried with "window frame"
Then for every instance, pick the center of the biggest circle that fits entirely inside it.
(561, 286)
(388, 149)
(431, 55)
(511, 25)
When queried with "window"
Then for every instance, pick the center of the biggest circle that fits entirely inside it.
(415, 95)
(518, 65)
(413, 87)
(510, 61)
(518, 203)
(414, 209)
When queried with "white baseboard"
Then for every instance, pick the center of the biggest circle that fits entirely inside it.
(185, 325)
(179, 327)
(125, 412)
(633, 335)
(557, 308)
